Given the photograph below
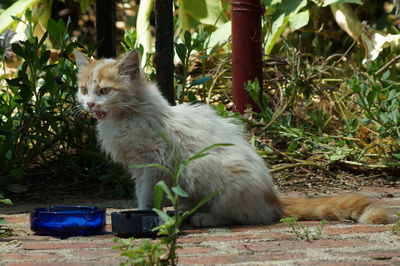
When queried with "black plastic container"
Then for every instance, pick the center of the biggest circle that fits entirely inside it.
(136, 223)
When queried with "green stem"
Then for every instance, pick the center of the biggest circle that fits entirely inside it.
(372, 166)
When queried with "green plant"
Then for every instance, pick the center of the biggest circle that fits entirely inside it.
(18, 8)
(379, 98)
(147, 253)
(301, 231)
(130, 43)
(311, 115)
(278, 15)
(208, 12)
(254, 90)
(320, 120)
(295, 14)
(220, 109)
(184, 51)
(396, 226)
(4, 230)
(36, 104)
(169, 230)
(41, 127)
(5, 49)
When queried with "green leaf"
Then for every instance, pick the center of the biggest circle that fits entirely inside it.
(205, 11)
(44, 58)
(192, 97)
(162, 215)
(253, 88)
(180, 192)
(201, 153)
(180, 169)
(52, 28)
(61, 27)
(199, 81)
(17, 49)
(84, 5)
(299, 20)
(292, 146)
(201, 203)
(221, 35)
(278, 25)
(167, 191)
(6, 201)
(181, 51)
(43, 39)
(188, 40)
(280, 20)
(370, 98)
(335, 2)
(17, 9)
(165, 139)
(151, 165)
(396, 155)
(158, 197)
(179, 77)
(386, 75)
(339, 155)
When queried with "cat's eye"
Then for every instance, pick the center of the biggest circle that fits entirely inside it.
(84, 90)
(105, 90)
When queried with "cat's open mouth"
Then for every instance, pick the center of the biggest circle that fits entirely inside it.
(100, 115)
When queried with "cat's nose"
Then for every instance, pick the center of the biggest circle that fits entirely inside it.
(90, 105)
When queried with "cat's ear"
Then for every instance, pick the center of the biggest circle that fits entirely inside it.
(81, 59)
(130, 64)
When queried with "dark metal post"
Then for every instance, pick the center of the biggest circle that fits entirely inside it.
(105, 28)
(164, 59)
(246, 50)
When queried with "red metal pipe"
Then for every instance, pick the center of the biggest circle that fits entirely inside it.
(246, 50)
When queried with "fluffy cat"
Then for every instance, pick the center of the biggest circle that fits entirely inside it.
(131, 112)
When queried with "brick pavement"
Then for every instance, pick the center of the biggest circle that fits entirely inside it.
(341, 243)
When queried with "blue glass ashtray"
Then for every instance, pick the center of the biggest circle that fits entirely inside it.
(68, 220)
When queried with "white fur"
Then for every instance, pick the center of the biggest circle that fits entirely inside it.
(130, 135)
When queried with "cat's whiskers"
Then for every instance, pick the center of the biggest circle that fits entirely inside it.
(77, 112)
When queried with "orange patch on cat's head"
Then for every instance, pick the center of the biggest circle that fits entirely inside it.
(108, 76)
(108, 73)
(105, 73)
(85, 73)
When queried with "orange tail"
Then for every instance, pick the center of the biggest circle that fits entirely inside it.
(355, 207)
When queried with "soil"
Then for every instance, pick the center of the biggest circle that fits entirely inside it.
(312, 182)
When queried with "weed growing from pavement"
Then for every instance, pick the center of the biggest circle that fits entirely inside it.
(4, 230)
(164, 253)
(396, 227)
(147, 253)
(302, 231)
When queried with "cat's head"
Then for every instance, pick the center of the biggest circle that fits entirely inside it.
(107, 86)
